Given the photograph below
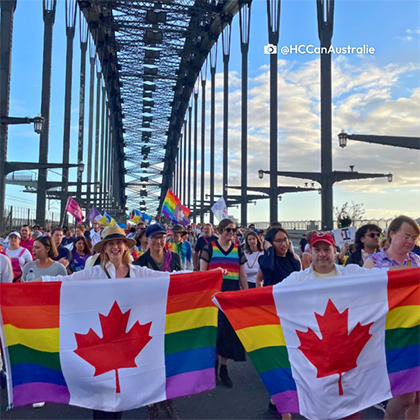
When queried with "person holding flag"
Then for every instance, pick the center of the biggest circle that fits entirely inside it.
(403, 233)
(114, 249)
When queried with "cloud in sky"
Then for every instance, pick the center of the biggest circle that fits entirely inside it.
(367, 99)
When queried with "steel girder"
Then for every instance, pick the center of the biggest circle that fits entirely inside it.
(151, 53)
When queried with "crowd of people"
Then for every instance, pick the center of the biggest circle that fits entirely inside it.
(248, 258)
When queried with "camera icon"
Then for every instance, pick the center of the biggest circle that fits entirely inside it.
(270, 49)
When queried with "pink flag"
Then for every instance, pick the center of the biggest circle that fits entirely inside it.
(74, 209)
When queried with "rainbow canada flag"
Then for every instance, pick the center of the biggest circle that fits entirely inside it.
(328, 348)
(110, 345)
(174, 210)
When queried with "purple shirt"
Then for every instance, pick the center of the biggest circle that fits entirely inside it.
(381, 260)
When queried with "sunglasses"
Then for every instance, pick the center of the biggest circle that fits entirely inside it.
(374, 235)
(228, 230)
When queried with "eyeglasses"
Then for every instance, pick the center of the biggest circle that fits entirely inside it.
(407, 237)
(281, 241)
(228, 230)
(158, 238)
(374, 235)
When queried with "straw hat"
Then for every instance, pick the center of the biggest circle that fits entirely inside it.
(113, 233)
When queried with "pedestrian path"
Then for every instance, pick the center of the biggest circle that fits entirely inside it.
(248, 399)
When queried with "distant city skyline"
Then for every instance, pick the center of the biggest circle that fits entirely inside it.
(375, 93)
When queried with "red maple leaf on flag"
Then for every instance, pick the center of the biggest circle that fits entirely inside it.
(117, 349)
(337, 351)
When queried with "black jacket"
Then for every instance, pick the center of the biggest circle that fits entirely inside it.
(145, 259)
(355, 258)
(272, 270)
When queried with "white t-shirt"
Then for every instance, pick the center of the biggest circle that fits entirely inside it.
(252, 265)
(6, 272)
(309, 273)
(23, 259)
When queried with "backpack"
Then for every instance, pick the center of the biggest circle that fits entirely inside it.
(17, 270)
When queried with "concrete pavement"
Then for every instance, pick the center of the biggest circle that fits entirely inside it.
(248, 399)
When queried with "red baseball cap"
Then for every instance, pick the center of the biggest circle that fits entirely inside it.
(322, 237)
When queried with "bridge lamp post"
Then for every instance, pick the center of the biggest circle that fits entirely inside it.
(38, 121)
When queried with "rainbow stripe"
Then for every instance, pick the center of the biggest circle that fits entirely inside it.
(253, 316)
(169, 206)
(31, 334)
(190, 334)
(31, 319)
(402, 331)
(229, 262)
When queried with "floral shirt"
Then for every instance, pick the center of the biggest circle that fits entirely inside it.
(382, 260)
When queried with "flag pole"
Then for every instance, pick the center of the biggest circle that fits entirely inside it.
(65, 211)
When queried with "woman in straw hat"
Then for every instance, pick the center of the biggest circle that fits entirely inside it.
(114, 250)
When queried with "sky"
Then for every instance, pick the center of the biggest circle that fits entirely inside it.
(376, 94)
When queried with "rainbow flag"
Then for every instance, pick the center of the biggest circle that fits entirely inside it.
(328, 348)
(174, 210)
(62, 343)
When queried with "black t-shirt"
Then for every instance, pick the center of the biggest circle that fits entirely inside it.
(67, 241)
(303, 243)
(201, 242)
(286, 264)
(63, 252)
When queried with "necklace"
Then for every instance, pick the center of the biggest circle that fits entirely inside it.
(255, 260)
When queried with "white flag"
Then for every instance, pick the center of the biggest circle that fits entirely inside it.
(220, 210)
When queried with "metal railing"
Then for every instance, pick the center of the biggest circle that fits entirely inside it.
(307, 225)
(16, 217)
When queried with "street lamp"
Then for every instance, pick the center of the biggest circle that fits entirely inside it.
(390, 177)
(261, 174)
(39, 122)
(80, 168)
(342, 139)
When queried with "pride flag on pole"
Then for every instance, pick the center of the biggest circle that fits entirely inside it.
(74, 209)
(174, 210)
(328, 348)
(138, 216)
(94, 215)
(111, 345)
(107, 220)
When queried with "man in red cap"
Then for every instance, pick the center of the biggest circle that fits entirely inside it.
(322, 248)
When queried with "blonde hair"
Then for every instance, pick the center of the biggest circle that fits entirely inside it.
(126, 258)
